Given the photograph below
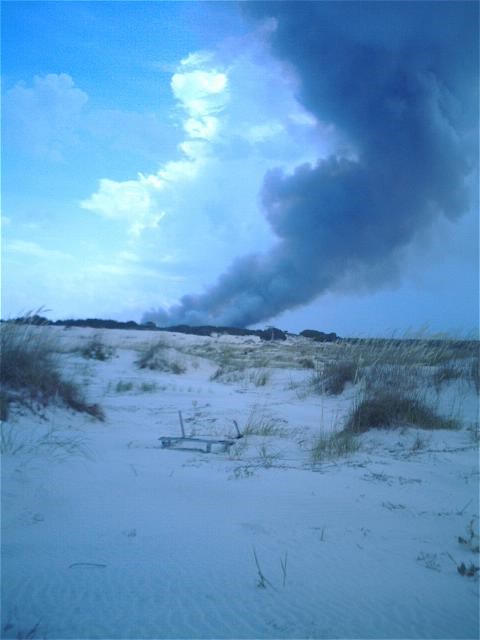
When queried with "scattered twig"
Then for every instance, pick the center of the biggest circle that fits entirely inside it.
(239, 435)
(283, 564)
(181, 424)
(87, 564)
(461, 511)
(262, 580)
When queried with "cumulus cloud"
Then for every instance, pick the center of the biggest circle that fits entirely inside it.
(201, 95)
(131, 200)
(43, 118)
(405, 100)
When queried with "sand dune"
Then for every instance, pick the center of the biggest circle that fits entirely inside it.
(119, 538)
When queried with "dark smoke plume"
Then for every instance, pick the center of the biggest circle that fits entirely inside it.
(399, 80)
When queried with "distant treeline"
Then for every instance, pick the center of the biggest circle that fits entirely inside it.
(270, 333)
(94, 323)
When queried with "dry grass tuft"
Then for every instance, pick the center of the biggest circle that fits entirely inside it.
(394, 382)
(334, 445)
(384, 408)
(155, 357)
(96, 349)
(30, 372)
(334, 376)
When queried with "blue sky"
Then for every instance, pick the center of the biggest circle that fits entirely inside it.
(137, 137)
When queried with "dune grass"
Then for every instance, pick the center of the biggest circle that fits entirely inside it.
(30, 373)
(333, 377)
(334, 445)
(155, 357)
(96, 349)
(385, 408)
(396, 383)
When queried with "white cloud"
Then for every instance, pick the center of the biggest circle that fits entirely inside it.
(44, 118)
(197, 59)
(132, 200)
(202, 94)
(35, 250)
(206, 127)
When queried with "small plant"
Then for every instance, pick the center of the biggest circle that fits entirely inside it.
(177, 367)
(419, 443)
(474, 373)
(4, 406)
(306, 363)
(474, 430)
(469, 571)
(262, 426)
(260, 378)
(267, 458)
(11, 442)
(243, 472)
(238, 449)
(262, 580)
(228, 373)
(56, 442)
(334, 376)
(95, 349)
(148, 387)
(334, 445)
(156, 358)
(429, 560)
(122, 387)
(471, 540)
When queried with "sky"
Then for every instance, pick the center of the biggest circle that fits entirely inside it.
(297, 164)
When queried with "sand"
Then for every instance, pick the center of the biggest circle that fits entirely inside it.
(105, 534)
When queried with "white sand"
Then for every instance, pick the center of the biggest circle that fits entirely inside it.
(136, 541)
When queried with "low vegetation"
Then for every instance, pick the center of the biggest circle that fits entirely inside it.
(380, 409)
(96, 349)
(123, 387)
(30, 373)
(393, 379)
(334, 376)
(334, 445)
(157, 357)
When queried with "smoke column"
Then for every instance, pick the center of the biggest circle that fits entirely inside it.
(399, 81)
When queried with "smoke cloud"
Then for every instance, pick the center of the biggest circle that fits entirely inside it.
(399, 82)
